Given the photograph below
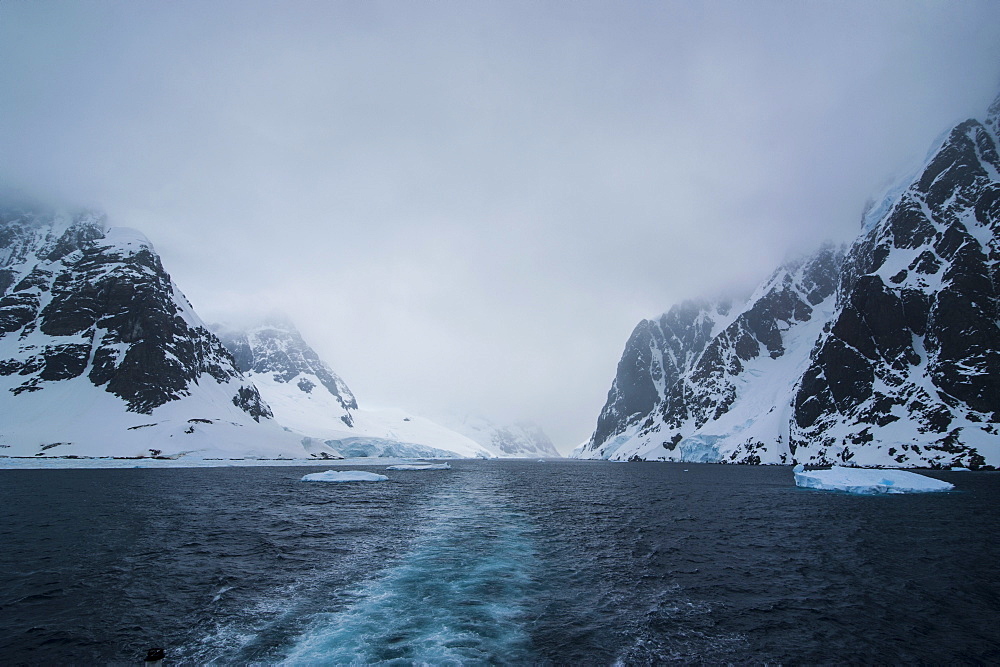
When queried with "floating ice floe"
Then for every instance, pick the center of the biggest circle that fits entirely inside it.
(420, 466)
(867, 480)
(344, 476)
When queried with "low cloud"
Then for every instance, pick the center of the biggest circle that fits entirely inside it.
(470, 205)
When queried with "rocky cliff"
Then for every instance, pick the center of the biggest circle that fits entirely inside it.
(101, 354)
(908, 372)
(888, 354)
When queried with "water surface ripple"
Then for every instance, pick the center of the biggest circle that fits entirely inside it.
(494, 562)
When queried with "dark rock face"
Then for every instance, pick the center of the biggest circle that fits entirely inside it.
(248, 400)
(89, 304)
(787, 299)
(655, 357)
(277, 349)
(682, 372)
(912, 360)
(902, 368)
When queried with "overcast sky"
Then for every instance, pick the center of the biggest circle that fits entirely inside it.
(467, 206)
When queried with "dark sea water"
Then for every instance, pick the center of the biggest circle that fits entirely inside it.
(507, 562)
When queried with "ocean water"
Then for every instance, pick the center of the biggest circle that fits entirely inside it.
(494, 562)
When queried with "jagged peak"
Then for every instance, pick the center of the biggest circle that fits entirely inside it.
(881, 204)
(794, 267)
(708, 315)
(817, 264)
(273, 345)
(992, 120)
(249, 324)
(126, 239)
(691, 310)
(47, 233)
(33, 214)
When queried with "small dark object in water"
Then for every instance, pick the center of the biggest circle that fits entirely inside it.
(154, 655)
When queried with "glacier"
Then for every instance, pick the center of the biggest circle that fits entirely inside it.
(308, 398)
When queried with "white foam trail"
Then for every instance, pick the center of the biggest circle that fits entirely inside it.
(455, 597)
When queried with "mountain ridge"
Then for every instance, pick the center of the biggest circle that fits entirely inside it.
(101, 354)
(896, 347)
(312, 400)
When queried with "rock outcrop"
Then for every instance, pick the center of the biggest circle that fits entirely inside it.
(100, 351)
(886, 355)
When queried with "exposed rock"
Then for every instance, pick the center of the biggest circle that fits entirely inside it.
(889, 354)
(90, 310)
(908, 360)
(276, 350)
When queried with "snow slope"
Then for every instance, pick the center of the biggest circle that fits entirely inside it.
(520, 439)
(101, 354)
(307, 397)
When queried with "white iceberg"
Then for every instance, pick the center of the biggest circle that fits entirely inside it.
(344, 476)
(420, 466)
(867, 480)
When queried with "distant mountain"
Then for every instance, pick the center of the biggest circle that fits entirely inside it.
(307, 397)
(517, 440)
(300, 386)
(888, 354)
(708, 381)
(101, 354)
(657, 354)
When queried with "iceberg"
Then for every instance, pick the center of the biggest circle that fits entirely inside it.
(867, 480)
(420, 466)
(344, 476)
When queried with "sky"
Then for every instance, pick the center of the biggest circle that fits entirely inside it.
(468, 206)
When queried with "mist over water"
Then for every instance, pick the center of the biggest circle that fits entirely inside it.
(493, 562)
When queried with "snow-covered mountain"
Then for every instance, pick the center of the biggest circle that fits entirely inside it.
(299, 386)
(707, 381)
(908, 373)
(101, 354)
(886, 355)
(657, 354)
(518, 440)
(307, 397)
